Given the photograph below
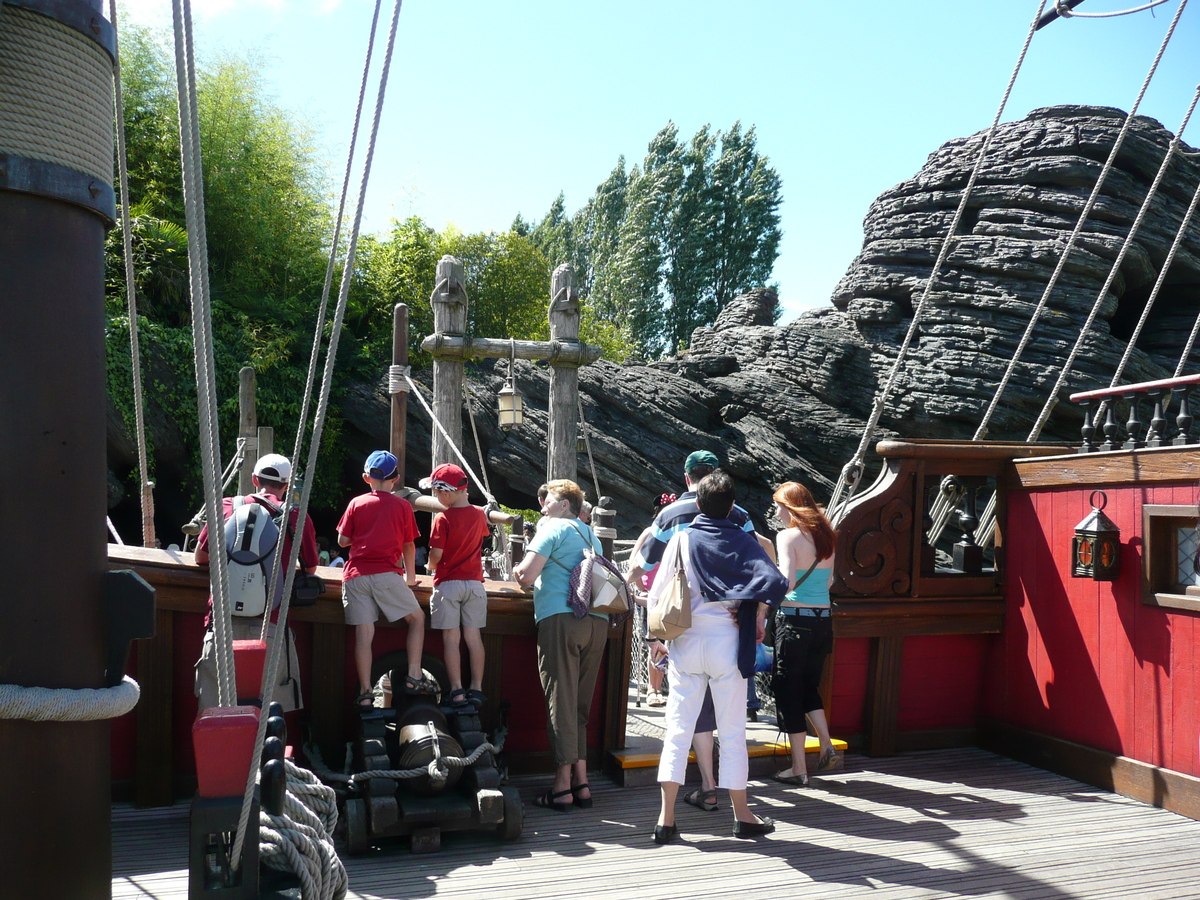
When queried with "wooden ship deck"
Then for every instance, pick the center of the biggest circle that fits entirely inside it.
(949, 823)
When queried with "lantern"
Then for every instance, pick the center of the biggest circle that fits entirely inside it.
(1096, 548)
(512, 405)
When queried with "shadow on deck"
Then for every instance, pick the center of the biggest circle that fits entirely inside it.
(961, 823)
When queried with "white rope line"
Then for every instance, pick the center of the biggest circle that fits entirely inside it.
(1052, 399)
(487, 487)
(41, 704)
(55, 94)
(319, 329)
(271, 669)
(396, 375)
(587, 443)
(135, 355)
(1168, 157)
(1067, 13)
(202, 342)
(851, 473)
(416, 392)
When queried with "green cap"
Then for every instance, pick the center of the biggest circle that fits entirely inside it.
(701, 458)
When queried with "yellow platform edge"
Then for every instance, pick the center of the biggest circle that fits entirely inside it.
(629, 760)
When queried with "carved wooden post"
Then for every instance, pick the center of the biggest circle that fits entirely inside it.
(399, 387)
(247, 428)
(449, 300)
(564, 377)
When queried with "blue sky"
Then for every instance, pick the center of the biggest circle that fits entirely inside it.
(493, 108)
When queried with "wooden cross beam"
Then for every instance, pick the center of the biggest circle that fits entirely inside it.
(450, 346)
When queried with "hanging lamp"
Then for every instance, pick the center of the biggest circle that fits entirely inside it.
(511, 402)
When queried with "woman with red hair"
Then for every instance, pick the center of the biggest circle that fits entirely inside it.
(803, 627)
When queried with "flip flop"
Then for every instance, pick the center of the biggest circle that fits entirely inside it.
(550, 800)
(701, 799)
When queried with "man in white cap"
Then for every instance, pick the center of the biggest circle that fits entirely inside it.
(272, 473)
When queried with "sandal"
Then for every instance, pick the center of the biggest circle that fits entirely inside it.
(582, 802)
(827, 760)
(458, 697)
(476, 698)
(365, 701)
(422, 685)
(701, 799)
(550, 800)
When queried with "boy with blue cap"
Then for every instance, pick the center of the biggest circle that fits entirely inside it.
(380, 530)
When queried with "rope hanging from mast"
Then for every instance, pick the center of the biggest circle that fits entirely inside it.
(587, 443)
(852, 472)
(135, 355)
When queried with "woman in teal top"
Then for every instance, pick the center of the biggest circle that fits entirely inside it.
(569, 648)
(803, 627)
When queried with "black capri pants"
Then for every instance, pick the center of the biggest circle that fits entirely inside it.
(801, 645)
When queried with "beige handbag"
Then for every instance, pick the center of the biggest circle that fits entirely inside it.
(672, 614)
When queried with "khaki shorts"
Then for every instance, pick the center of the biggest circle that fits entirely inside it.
(458, 602)
(366, 596)
(245, 628)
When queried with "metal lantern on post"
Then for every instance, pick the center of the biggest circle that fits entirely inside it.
(511, 403)
(1096, 548)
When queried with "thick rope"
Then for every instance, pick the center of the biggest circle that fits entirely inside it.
(1067, 13)
(40, 704)
(55, 94)
(319, 329)
(202, 341)
(415, 391)
(135, 354)
(271, 669)
(1052, 399)
(852, 472)
(300, 840)
(437, 768)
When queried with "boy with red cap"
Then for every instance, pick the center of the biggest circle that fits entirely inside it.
(458, 607)
(380, 530)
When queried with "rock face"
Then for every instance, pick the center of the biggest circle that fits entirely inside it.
(789, 402)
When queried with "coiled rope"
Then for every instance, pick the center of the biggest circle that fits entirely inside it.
(299, 840)
(852, 472)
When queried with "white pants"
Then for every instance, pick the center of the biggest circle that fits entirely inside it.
(706, 654)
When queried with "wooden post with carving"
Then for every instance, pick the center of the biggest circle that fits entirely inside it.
(398, 387)
(247, 428)
(564, 378)
(449, 300)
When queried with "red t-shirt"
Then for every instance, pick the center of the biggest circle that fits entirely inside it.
(308, 541)
(459, 532)
(378, 524)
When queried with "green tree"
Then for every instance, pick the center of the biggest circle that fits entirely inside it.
(508, 283)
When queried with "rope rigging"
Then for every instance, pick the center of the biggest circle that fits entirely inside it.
(987, 520)
(1065, 10)
(500, 550)
(135, 355)
(852, 472)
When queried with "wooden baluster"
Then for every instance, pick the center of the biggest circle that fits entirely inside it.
(1111, 429)
(1133, 427)
(968, 555)
(1184, 419)
(1088, 429)
(1154, 438)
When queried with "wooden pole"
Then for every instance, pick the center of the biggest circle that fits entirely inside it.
(449, 301)
(247, 428)
(399, 397)
(564, 378)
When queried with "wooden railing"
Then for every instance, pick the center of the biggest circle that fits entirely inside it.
(1137, 433)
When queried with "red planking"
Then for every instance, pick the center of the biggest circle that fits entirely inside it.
(940, 681)
(850, 664)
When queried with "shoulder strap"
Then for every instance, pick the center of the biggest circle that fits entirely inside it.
(591, 545)
(800, 580)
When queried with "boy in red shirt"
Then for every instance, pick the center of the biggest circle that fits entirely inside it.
(458, 595)
(379, 528)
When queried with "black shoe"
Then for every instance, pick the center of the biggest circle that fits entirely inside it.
(752, 715)
(749, 829)
(664, 834)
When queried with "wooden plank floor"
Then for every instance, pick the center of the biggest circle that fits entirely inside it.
(961, 823)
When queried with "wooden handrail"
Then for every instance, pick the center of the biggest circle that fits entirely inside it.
(1142, 387)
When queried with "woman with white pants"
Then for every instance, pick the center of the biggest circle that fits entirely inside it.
(706, 655)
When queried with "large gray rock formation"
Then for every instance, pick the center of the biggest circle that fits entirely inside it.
(789, 402)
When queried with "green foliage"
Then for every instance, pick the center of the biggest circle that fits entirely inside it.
(508, 283)
(662, 249)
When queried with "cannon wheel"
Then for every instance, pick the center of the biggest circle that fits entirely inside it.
(357, 834)
(514, 815)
